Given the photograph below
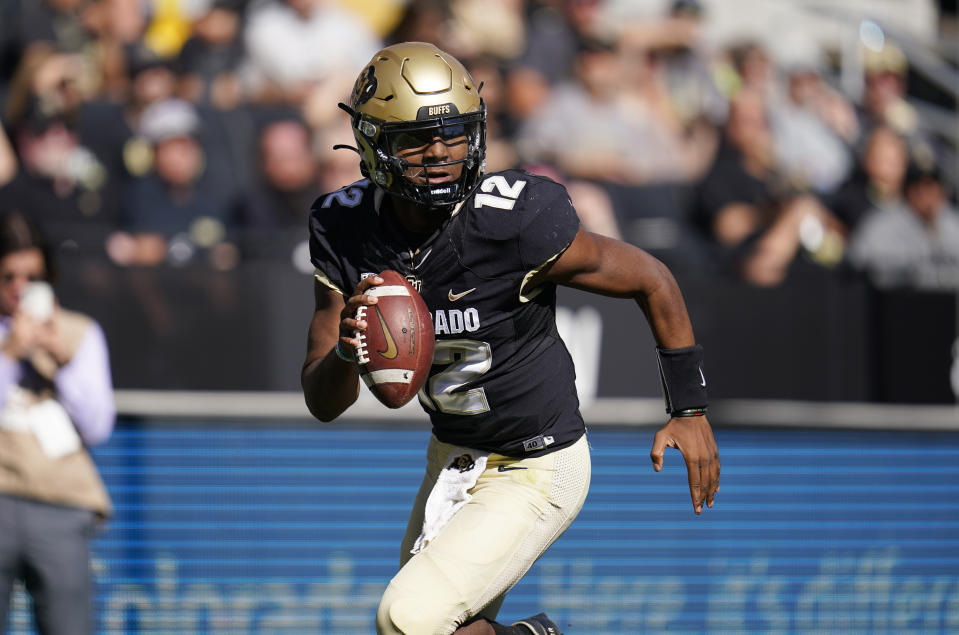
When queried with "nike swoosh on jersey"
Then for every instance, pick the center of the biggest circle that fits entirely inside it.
(507, 468)
(456, 296)
(390, 351)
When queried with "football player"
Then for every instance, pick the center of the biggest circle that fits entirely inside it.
(486, 251)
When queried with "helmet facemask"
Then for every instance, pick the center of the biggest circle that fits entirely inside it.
(411, 181)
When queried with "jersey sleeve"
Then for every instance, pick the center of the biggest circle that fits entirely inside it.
(323, 237)
(549, 227)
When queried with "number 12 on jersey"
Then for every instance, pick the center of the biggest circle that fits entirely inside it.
(507, 193)
(465, 361)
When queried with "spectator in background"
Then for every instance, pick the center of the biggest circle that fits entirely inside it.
(915, 244)
(876, 181)
(599, 128)
(813, 127)
(423, 21)
(303, 52)
(294, 167)
(473, 28)
(288, 179)
(883, 100)
(584, 136)
(678, 148)
(753, 70)
(210, 59)
(580, 128)
(108, 125)
(94, 31)
(554, 33)
(488, 27)
(60, 179)
(58, 23)
(208, 75)
(152, 79)
(759, 219)
(886, 102)
(56, 399)
(175, 210)
(683, 60)
(77, 143)
(615, 127)
(49, 82)
(116, 26)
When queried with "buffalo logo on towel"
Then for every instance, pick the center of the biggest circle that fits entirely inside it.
(463, 463)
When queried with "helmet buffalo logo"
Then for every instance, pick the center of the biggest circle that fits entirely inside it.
(365, 87)
(463, 463)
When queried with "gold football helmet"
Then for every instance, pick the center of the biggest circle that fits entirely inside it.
(414, 92)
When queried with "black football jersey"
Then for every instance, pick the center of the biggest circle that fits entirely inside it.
(502, 379)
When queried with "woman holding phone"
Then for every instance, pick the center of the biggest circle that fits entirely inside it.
(56, 399)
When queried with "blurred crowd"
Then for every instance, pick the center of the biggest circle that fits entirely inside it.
(166, 132)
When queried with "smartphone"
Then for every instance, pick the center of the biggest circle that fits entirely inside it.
(37, 301)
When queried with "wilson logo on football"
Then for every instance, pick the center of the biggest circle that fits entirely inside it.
(412, 330)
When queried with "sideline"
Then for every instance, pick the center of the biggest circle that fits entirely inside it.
(162, 404)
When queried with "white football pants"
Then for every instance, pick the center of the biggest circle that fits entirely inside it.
(488, 545)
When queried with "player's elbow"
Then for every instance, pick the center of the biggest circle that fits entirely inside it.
(321, 408)
(660, 278)
(327, 388)
(323, 414)
(327, 407)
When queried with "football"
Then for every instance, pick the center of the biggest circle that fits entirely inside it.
(396, 349)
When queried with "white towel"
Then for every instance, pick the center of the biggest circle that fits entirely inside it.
(47, 419)
(451, 491)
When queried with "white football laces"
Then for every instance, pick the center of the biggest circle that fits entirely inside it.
(361, 352)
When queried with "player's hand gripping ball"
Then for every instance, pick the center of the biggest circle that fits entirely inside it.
(396, 349)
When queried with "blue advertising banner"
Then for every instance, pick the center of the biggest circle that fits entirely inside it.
(289, 528)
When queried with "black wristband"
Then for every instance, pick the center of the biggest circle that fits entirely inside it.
(684, 384)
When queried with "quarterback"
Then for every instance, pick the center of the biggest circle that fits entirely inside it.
(508, 464)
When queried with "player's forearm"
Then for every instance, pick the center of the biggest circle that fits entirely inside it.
(330, 386)
(665, 310)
